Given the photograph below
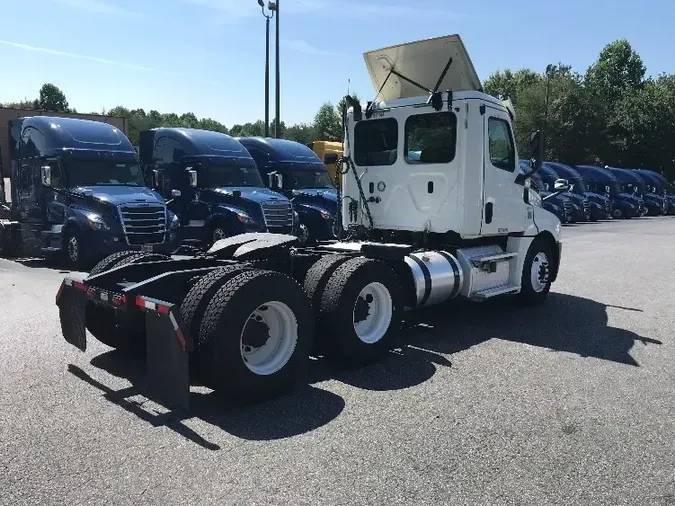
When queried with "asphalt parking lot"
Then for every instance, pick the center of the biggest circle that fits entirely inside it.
(570, 403)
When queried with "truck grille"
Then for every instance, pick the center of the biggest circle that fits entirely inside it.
(587, 209)
(278, 214)
(143, 224)
(567, 207)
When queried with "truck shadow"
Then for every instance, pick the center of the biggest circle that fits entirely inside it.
(564, 324)
(302, 411)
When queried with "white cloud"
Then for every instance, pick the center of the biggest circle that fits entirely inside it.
(98, 6)
(105, 61)
(301, 46)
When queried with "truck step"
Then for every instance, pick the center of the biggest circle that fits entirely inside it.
(493, 258)
(50, 250)
(495, 291)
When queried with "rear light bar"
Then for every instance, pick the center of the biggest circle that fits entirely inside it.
(93, 293)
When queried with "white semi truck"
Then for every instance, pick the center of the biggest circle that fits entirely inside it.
(433, 207)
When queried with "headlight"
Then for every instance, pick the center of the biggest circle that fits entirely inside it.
(325, 215)
(296, 216)
(175, 222)
(244, 218)
(96, 222)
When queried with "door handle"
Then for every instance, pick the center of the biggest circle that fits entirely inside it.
(489, 209)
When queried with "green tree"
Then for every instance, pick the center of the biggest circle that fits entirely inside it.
(52, 99)
(327, 123)
(303, 133)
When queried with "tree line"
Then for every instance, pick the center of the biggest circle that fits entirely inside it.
(612, 114)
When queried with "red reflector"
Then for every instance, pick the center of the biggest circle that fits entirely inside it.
(119, 300)
(140, 302)
(79, 285)
(162, 309)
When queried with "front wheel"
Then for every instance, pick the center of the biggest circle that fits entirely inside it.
(536, 276)
(73, 248)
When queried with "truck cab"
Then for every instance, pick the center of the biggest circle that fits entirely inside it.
(556, 204)
(213, 185)
(632, 184)
(662, 187)
(78, 192)
(294, 170)
(655, 197)
(597, 180)
(599, 205)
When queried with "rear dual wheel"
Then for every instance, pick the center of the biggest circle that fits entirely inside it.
(255, 336)
(359, 308)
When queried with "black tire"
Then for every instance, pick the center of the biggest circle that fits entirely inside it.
(126, 332)
(339, 303)
(194, 304)
(108, 262)
(529, 295)
(224, 321)
(318, 275)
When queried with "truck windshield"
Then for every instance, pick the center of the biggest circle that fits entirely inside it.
(221, 175)
(578, 185)
(103, 173)
(310, 179)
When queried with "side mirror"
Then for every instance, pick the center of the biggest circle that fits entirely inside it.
(280, 181)
(193, 178)
(175, 193)
(537, 149)
(46, 175)
(271, 180)
(158, 179)
(561, 185)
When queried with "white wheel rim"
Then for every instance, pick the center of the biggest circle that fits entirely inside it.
(73, 249)
(304, 234)
(269, 338)
(370, 327)
(218, 234)
(539, 273)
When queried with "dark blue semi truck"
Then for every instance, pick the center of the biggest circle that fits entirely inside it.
(598, 180)
(632, 183)
(558, 204)
(655, 197)
(581, 206)
(212, 184)
(600, 204)
(293, 169)
(78, 193)
(664, 187)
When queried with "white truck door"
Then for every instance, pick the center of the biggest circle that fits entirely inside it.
(504, 210)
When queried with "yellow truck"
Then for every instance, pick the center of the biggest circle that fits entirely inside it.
(328, 152)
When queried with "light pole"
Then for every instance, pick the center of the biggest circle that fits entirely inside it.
(271, 7)
(277, 121)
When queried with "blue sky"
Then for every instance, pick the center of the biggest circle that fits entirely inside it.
(206, 56)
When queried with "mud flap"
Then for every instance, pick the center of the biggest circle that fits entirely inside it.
(168, 352)
(71, 300)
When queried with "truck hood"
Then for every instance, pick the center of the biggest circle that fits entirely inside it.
(253, 194)
(117, 195)
(316, 194)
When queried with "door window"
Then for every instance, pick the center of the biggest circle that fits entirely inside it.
(376, 142)
(501, 148)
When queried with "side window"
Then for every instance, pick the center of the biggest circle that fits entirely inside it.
(502, 151)
(431, 138)
(376, 142)
(168, 150)
(259, 156)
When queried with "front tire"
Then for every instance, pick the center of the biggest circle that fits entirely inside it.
(73, 249)
(259, 326)
(536, 276)
(361, 311)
